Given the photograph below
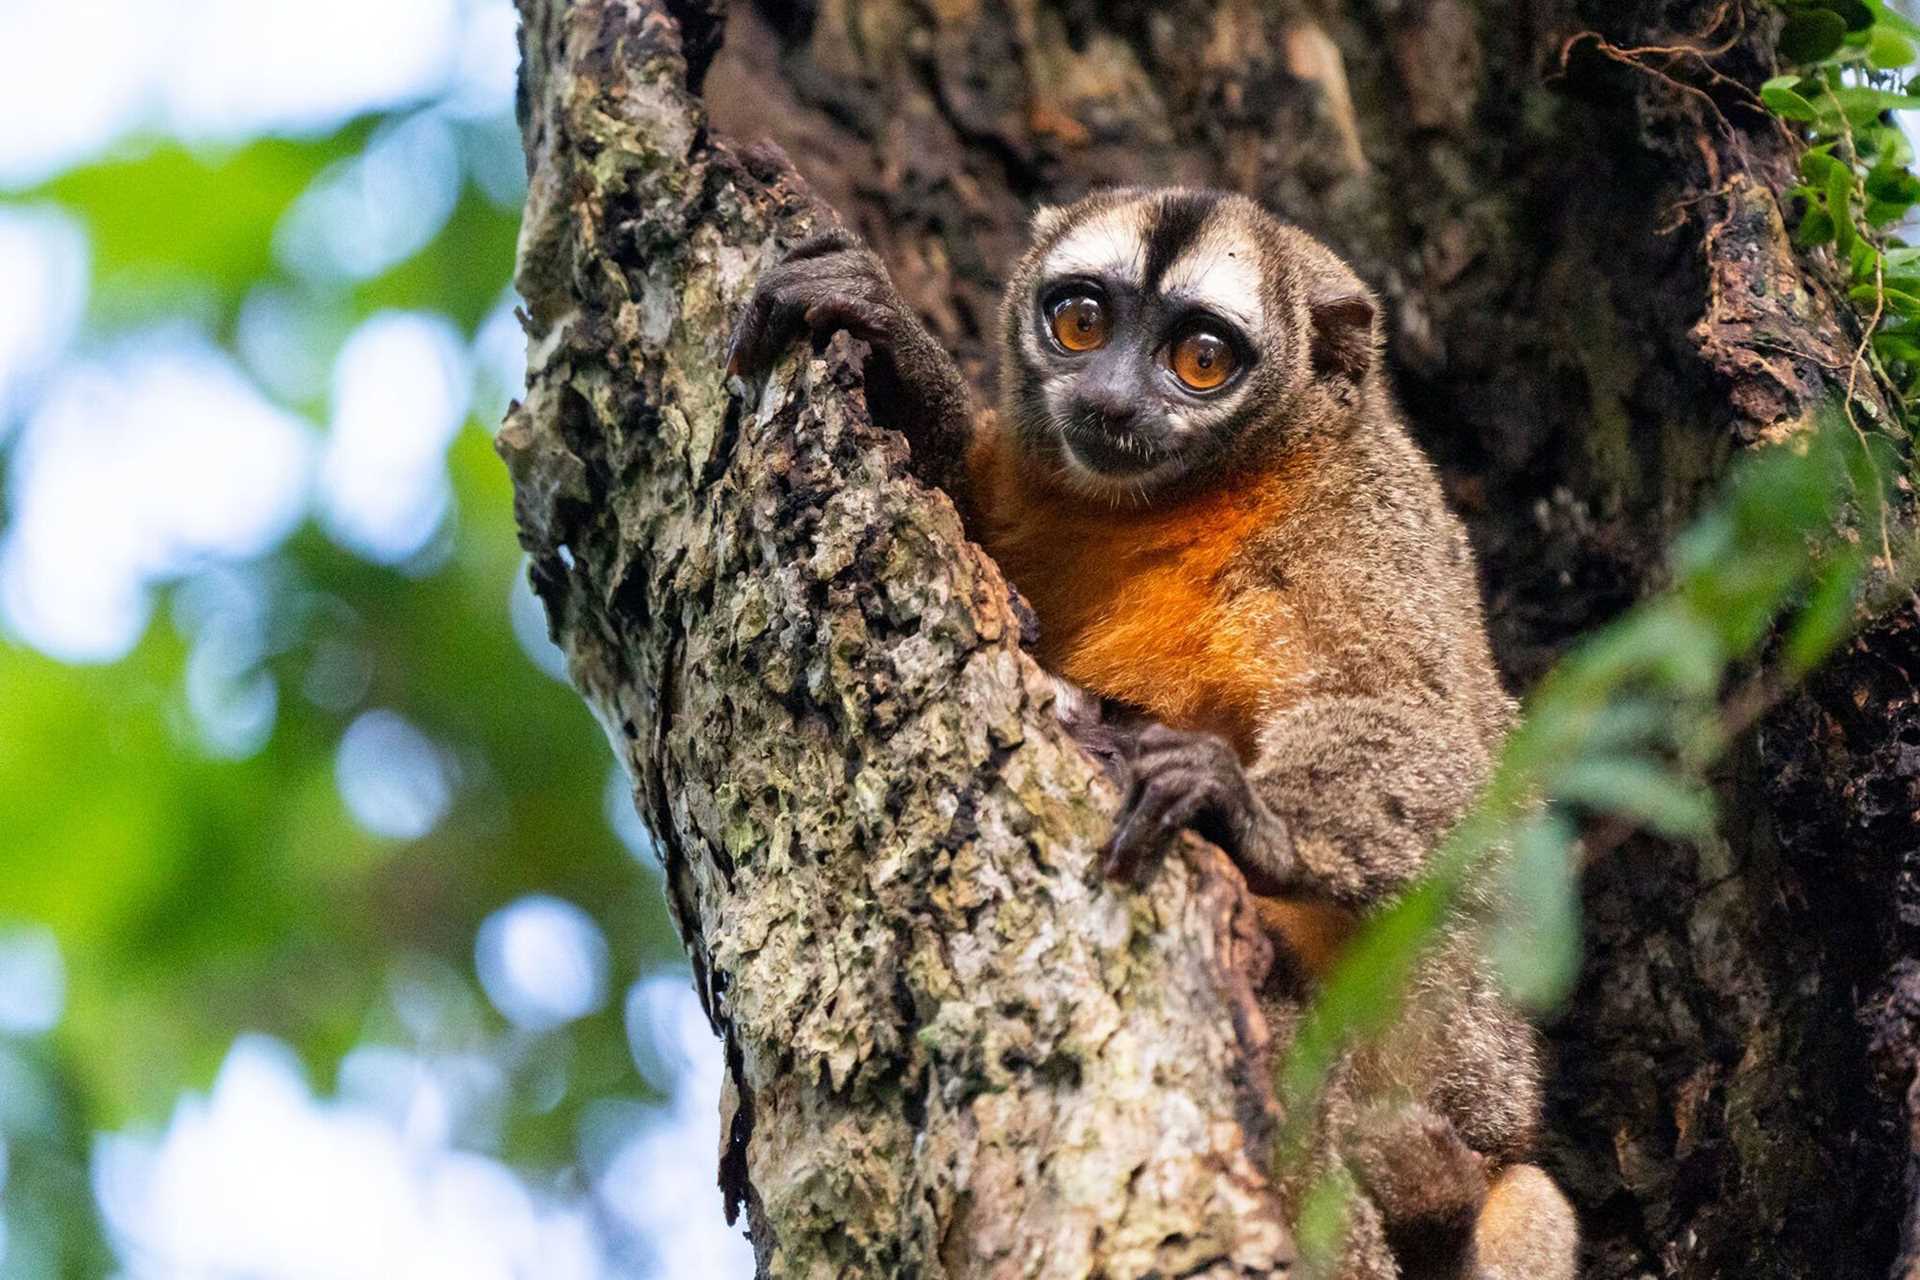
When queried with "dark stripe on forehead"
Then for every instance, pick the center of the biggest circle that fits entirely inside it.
(1176, 221)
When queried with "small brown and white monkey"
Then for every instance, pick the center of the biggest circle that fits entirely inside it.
(1198, 480)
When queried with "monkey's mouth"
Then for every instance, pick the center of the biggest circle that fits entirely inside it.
(1112, 453)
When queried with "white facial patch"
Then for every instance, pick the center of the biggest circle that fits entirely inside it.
(1219, 274)
(1112, 245)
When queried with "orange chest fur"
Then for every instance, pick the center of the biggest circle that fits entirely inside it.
(1152, 608)
(1145, 606)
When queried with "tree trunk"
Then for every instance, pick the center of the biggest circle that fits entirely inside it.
(951, 1050)
(951, 1047)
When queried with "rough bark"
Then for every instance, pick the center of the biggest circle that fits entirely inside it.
(952, 1051)
(952, 1048)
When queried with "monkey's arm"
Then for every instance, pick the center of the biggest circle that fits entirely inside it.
(832, 281)
(1343, 800)
(1366, 787)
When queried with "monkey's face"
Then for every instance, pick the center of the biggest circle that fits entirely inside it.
(1141, 339)
(1149, 332)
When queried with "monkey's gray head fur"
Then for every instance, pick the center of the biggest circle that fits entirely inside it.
(1157, 338)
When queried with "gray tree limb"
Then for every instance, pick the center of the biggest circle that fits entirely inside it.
(952, 1049)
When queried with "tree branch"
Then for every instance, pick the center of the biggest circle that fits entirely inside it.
(952, 1048)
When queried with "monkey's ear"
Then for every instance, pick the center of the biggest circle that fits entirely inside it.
(1343, 341)
(1047, 219)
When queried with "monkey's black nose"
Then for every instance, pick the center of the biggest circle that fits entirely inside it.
(1109, 411)
(1113, 435)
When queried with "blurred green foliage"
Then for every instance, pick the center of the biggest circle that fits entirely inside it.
(177, 219)
(197, 897)
(1764, 586)
(1801, 546)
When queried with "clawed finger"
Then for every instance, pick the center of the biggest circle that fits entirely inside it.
(842, 313)
(1159, 809)
(1134, 840)
(820, 292)
(759, 331)
(822, 243)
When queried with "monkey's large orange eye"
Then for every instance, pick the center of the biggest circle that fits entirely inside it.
(1203, 360)
(1081, 322)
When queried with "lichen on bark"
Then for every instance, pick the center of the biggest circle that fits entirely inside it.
(953, 1048)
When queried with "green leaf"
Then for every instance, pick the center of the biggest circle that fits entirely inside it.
(1688, 652)
(1632, 787)
(1364, 990)
(1784, 101)
(1865, 259)
(1892, 19)
(1812, 35)
(1535, 940)
(1840, 209)
(1862, 105)
(1894, 347)
(1885, 144)
(1818, 165)
(1892, 183)
(1824, 622)
(1627, 724)
(1884, 213)
(1815, 229)
(1320, 1228)
(1899, 299)
(1663, 641)
(1855, 14)
(1887, 50)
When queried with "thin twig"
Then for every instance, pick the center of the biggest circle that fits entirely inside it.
(1866, 334)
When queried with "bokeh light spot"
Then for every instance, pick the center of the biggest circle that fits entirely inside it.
(395, 780)
(260, 1178)
(33, 980)
(542, 962)
(400, 393)
(377, 209)
(529, 619)
(642, 1183)
(141, 467)
(43, 259)
(626, 821)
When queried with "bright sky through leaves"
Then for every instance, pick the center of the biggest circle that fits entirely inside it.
(292, 865)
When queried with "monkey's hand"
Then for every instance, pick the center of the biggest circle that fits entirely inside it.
(1193, 781)
(831, 281)
(1085, 717)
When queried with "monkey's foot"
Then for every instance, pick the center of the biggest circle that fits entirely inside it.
(1416, 1168)
(1428, 1185)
